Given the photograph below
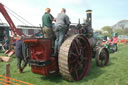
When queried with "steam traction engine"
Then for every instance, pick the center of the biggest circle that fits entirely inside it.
(74, 59)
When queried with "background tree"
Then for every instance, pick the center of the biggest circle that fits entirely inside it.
(107, 31)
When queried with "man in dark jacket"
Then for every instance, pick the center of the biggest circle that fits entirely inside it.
(62, 26)
(19, 54)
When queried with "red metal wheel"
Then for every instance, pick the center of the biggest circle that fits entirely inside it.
(75, 64)
(102, 57)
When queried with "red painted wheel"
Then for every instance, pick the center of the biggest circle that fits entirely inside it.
(75, 58)
(102, 57)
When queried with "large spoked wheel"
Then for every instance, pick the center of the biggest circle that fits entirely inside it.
(75, 58)
(102, 57)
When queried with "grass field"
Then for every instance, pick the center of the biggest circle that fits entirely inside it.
(116, 73)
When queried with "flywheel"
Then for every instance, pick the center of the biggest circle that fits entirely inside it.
(75, 58)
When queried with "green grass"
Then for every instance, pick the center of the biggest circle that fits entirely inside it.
(115, 72)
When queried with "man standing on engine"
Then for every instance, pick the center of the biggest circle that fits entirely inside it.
(62, 26)
(47, 19)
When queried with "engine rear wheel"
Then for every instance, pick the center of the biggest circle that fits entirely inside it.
(102, 56)
(75, 58)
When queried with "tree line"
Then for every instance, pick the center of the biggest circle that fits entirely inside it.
(107, 31)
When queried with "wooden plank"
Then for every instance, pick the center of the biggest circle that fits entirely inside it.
(7, 51)
(5, 59)
(11, 53)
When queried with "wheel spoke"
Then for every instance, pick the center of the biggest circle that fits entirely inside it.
(78, 63)
(73, 53)
(71, 70)
(78, 42)
(76, 73)
(72, 61)
(76, 47)
(85, 59)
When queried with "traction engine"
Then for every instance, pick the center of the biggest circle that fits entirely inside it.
(75, 54)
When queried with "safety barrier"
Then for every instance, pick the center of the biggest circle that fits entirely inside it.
(10, 81)
(123, 41)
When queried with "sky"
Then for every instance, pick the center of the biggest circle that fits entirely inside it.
(104, 12)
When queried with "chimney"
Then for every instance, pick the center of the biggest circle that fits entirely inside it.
(89, 17)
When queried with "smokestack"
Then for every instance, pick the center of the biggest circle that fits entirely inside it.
(89, 17)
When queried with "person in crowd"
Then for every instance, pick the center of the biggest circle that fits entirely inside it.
(1, 35)
(62, 26)
(19, 54)
(6, 43)
(47, 19)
